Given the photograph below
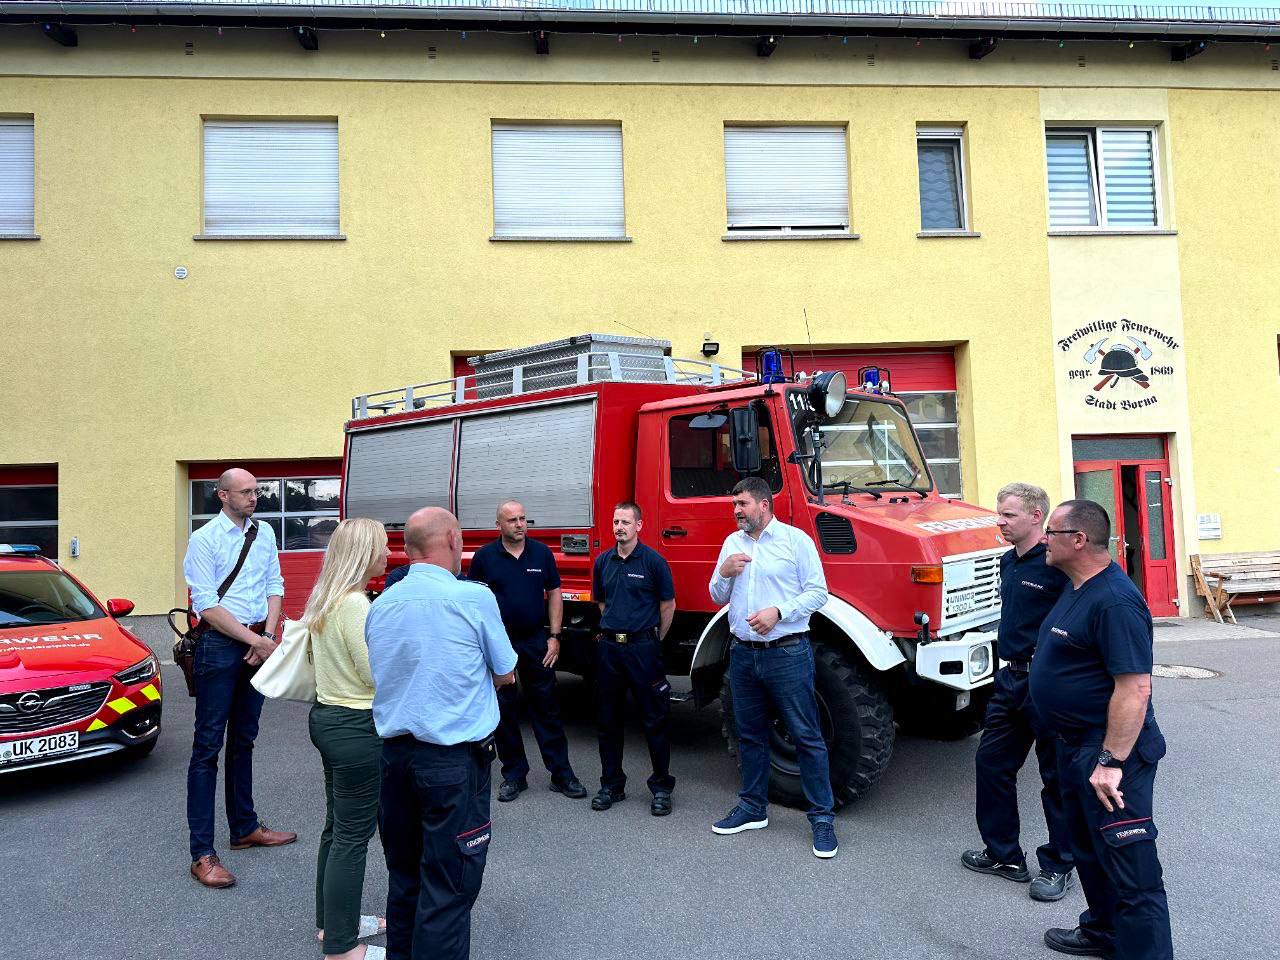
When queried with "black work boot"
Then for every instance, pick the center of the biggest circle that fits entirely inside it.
(979, 861)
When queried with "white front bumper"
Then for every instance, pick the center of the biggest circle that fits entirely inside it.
(957, 662)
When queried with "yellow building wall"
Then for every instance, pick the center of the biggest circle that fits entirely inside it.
(133, 373)
(1229, 222)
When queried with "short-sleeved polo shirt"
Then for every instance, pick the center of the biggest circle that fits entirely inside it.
(520, 583)
(1092, 635)
(1029, 588)
(631, 588)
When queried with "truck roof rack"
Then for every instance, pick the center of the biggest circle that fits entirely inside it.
(589, 358)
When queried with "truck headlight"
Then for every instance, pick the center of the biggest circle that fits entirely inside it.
(139, 671)
(979, 661)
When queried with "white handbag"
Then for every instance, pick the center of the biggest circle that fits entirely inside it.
(289, 673)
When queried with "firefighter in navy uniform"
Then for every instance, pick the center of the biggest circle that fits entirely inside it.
(522, 575)
(1028, 590)
(1091, 685)
(632, 584)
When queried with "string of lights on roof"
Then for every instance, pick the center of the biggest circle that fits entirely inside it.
(308, 36)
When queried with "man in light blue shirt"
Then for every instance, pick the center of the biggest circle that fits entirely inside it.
(437, 650)
(770, 575)
(239, 632)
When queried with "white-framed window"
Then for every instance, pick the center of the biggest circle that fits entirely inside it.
(17, 176)
(271, 178)
(1103, 178)
(787, 179)
(934, 415)
(303, 511)
(940, 158)
(29, 514)
(558, 181)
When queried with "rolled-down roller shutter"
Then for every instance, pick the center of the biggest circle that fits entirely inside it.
(17, 177)
(787, 177)
(557, 181)
(393, 472)
(271, 177)
(541, 456)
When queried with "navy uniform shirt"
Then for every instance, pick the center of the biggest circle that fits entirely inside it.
(631, 589)
(1091, 635)
(520, 583)
(1029, 588)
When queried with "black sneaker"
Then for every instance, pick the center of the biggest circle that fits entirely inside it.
(1049, 887)
(979, 861)
(511, 789)
(1075, 942)
(571, 788)
(660, 805)
(606, 798)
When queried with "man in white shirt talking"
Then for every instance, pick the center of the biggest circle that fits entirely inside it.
(770, 575)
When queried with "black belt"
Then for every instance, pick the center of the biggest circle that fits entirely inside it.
(635, 636)
(1019, 666)
(790, 640)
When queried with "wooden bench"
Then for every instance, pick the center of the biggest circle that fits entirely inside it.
(1224, 579)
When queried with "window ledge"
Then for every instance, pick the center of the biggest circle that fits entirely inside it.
(19, 236)
(926, 234)
(1154, 232)
(514, 238)
(832, 235)
(270, 236)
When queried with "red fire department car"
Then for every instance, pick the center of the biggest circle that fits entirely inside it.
(74, 683)
(571, 428)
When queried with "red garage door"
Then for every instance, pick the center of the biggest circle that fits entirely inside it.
(297, 498)
(925, 379)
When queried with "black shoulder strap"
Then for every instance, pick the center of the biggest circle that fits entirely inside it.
(249, 536)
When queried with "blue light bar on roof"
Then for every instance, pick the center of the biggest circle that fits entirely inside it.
(25, 549)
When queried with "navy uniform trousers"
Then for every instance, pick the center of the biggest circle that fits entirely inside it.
(635, 666)
(1115, 852)
(1008, 735)
(538, 684)
(434, 820)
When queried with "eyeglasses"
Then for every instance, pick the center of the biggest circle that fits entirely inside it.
(1050, 533)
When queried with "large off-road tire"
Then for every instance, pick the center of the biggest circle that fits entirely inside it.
(857, 723)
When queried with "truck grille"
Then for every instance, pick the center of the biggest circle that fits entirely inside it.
(970, 590)
(34, 710)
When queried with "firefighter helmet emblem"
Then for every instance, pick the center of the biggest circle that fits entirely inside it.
(1119, 362)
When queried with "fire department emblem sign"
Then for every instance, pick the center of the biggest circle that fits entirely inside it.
(1123, 365)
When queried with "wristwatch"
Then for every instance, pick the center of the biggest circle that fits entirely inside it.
(270, 636)
(1107, 759)
(553, 636)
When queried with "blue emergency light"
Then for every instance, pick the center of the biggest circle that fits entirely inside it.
(24, 549)
(770, 368)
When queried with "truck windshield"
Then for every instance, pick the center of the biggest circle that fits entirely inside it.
(27, 599)
(870, 446)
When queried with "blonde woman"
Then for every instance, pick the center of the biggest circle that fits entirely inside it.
(342, 730)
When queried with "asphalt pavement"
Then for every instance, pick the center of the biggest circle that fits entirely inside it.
(94, 856)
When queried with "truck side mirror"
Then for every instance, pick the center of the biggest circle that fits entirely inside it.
(744, 439)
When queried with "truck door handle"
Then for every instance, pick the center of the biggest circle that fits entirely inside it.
(674, 532)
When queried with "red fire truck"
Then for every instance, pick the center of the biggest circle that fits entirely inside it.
(572, 427)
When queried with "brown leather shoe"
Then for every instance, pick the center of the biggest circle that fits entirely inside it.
(263, 837)
(210, 871)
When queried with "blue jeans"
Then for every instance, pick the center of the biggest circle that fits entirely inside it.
(227, 708)
(781, 678)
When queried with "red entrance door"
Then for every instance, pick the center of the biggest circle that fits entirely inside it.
(1129, 476)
